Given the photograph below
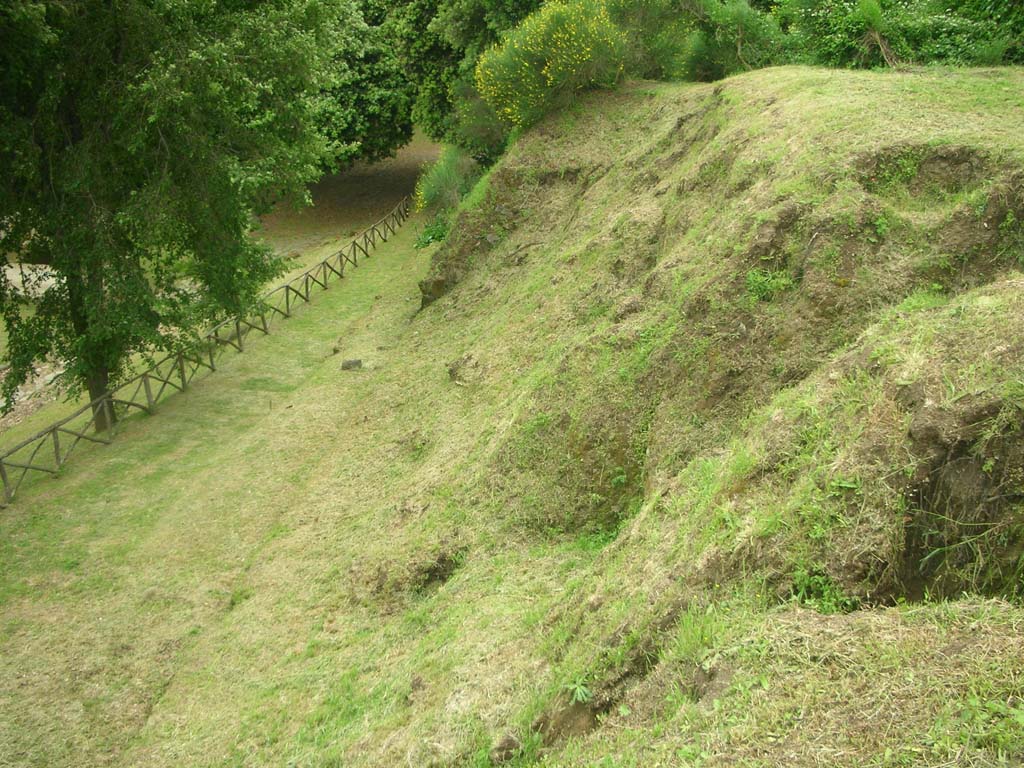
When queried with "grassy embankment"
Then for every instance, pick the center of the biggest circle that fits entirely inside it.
(708, 452)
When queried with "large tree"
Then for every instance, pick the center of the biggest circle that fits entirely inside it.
(365, 110)
(138, 139)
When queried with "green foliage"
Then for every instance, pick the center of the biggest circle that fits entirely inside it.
(365, 111)
(869, 13)
(730, 37)
(477, 128)
(557, 51)
(849, 33)
(1005, 16)
(765, 285)
(137, 142)
(816, 590)
(438, 43)
(434, 231)
(579, 692)
(1011, 237)
(428, 60)
(446, 181)
(656, 33)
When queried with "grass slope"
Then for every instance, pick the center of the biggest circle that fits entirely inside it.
(705, 451)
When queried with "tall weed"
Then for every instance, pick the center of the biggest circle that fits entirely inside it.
(442, 184)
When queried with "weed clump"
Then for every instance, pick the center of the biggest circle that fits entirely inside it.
(443, 183)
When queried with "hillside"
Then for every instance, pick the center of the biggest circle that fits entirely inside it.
(705, 449)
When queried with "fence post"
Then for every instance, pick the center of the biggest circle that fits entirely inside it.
(108, 408)
(238, 333)
(149, 392)
(181, 371)
(7, 486)
(56, 447)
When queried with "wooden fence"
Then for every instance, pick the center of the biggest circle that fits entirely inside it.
(47, 451)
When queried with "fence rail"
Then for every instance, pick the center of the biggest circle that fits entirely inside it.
(48, 450)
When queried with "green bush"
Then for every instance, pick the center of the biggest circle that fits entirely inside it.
(433, 232)
(1007, 16)
(868, 33)
(655, 32)
(443, 183)
(730, 37)
(476, 127)
(555, 52)
(765, 285)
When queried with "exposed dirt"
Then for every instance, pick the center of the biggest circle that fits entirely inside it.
(965, 529)
(924, 169)
(347, 202)
(34, 394)
(389, 584)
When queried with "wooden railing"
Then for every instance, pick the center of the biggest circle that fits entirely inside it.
(47, 451)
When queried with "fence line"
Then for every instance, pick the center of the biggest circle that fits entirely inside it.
(48, 450)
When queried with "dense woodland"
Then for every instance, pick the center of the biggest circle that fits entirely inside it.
(138, 139)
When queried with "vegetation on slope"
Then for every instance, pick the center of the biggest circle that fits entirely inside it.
(705, 450)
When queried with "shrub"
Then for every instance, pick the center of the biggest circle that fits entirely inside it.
(655, 33)
(1007, 16)
(556, 51)
(442, 184)
(866, 33)
(477, 127)
(730, 37)
(433, 232)
(765, 285)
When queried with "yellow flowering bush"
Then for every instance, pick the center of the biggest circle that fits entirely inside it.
(561, 48)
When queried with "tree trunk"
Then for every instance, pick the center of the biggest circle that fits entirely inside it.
(103, 411)
(97, 374)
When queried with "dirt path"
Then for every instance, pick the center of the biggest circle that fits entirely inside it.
(347, 203)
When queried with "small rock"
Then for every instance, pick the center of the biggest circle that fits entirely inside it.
(351, 365)
(505, 749)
